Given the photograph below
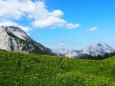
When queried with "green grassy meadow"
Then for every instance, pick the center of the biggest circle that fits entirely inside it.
(18, 69)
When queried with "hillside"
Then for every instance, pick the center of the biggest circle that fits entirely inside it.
(18, 69)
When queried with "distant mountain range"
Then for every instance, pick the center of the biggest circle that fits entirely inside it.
(15, 39)
(94, 50)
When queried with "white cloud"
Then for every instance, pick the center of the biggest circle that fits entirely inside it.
(15, 9)
(55, 45)
(71, 25)
(45, 19)
(57, 13)
(92, 29)
(59, 45)
(10, 23)
(26, 29)
(7, 23)
(35, 11)
(50, 22)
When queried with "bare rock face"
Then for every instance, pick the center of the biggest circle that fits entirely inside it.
(15, 39)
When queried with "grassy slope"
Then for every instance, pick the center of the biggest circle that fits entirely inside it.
(17, 69)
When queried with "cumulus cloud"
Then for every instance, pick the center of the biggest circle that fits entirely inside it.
(45, 19)
(50, 22)
(59, 45)
(57, 13)
(92, 29)
(71, 25)
(15, 9)
(10, 23)
(36, 11)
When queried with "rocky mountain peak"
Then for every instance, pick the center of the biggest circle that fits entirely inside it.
(16, 31)
(93, 50)
(98, 49)
(15, 39)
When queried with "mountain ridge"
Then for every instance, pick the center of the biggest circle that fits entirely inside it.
(15, 39)
(93, 50)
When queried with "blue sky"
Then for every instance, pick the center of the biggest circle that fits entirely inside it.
(63, 23)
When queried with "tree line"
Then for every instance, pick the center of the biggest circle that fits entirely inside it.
(98, 57)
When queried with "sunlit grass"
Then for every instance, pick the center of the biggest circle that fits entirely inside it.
(17, 69)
